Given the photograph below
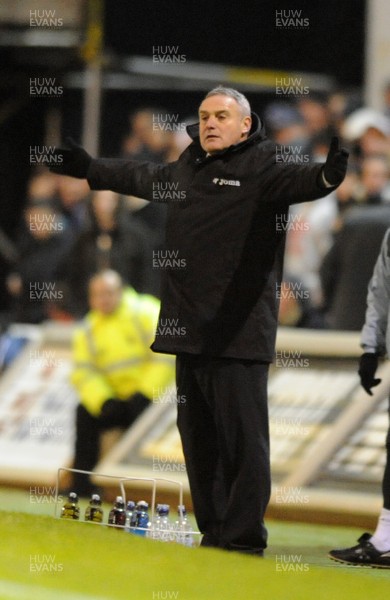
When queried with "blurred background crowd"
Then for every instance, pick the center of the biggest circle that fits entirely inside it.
(55, 233)
(67, 233)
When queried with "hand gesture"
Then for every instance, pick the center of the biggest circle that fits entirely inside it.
(336, 163)
(73, 161)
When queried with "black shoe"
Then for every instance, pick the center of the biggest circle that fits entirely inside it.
(209, 541)
(249, 550)
(364, 554)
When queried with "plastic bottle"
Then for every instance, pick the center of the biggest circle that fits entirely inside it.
(166, 529)
(117, 516)
(94, 511)
(142, 518)
(71, 509)
(183, 528)
(155, 526)
(130, 510)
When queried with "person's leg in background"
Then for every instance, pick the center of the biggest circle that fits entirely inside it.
(86, 453)
(115, 413)
(372, 550)
(381, 537)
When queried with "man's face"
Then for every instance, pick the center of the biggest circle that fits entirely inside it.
(104, 295)
(221, 123)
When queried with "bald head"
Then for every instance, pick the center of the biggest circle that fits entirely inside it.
(105, 291)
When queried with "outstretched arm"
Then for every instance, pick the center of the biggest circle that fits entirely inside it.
(142, 179)
(292, 183)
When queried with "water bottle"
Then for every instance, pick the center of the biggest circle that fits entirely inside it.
(183, 528)
(142, 523)
(117, 516)
(71, 509)
(130, 522)
(154, 531)
(94, 511)
(166, 530)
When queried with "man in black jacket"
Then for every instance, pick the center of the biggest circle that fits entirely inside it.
(227, 219)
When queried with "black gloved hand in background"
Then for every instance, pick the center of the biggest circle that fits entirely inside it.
(73, 161)
(335, 167)
(368, 365)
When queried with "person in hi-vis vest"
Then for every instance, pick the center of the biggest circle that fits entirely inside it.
(115, 373)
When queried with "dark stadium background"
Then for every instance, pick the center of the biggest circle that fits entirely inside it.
(243, 33)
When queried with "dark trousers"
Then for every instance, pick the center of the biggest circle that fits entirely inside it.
(223, 424)
(115, 413)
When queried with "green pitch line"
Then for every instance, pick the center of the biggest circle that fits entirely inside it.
(46, 558)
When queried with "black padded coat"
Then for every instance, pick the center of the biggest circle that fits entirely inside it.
(226, 228)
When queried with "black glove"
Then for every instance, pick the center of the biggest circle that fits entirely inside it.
(367, 366)
(73, 162)
(336, 163)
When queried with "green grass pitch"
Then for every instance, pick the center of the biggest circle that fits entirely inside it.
(43, 558)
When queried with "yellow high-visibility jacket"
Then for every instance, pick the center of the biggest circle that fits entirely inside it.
(112, 356)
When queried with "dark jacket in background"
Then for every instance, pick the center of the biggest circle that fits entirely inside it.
(126, 249)
(347, 268)
(38, 268)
